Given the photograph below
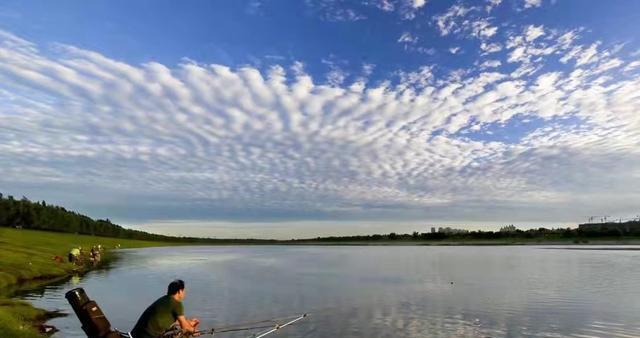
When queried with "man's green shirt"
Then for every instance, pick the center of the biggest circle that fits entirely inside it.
(157, 318)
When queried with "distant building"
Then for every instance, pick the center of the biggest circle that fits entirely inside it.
(509, 228)
(626, 227)
(452, 231)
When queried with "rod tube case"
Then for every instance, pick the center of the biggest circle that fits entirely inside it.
(94, 323)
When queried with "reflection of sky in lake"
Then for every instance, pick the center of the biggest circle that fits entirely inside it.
(379, 291)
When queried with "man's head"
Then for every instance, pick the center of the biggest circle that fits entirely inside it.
(176, 289)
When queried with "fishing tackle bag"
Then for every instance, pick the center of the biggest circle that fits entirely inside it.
(94, 323)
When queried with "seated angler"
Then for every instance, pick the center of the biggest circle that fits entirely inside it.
(163, 313)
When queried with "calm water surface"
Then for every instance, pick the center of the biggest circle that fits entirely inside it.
(377, 291)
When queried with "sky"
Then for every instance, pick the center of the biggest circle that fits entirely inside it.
(290, 119)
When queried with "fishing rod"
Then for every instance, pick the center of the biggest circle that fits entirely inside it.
(271, 328)
(278, 327)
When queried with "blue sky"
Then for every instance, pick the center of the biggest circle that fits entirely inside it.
(303, 118)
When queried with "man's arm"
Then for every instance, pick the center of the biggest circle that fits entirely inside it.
(188, 325)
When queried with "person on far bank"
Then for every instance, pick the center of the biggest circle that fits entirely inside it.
(164, 313)
(74, 255)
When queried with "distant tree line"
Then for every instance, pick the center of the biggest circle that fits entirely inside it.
(26, 214)
(508, 233)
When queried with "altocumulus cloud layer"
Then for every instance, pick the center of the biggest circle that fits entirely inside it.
(205, 141)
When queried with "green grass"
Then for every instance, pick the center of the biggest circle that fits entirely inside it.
(26, 256)
(17, 319)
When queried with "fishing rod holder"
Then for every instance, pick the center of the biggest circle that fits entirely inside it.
(94, 322)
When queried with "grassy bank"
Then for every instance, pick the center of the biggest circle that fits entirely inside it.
(27, 256)
(17, 319)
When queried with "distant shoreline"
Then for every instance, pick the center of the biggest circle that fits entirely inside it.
(604, 249)
(461, 243)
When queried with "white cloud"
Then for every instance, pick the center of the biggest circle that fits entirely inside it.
(587, 55)
(488, 48)
(211, 141)
(571, 54)
(419, 3)
(533, 32)
(407, 9)
(491, 4)
(483, 29)
(617, 47)
(632, 66)
(385, 5)
(336, 77)
(298, 68)
(458, 20)
(446, 22)
(490, 64)
(567, 38)
(584, 55)
(454, 50)
(532, 3)
(608, 65)
(407, 38)
(367, 69)
(534, 45)
(418, 79)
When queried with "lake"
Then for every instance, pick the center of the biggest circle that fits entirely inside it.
(376, 291)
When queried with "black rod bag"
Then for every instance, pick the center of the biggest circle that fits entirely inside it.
(94, 323)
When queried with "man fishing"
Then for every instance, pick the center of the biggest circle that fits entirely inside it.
(163, 313)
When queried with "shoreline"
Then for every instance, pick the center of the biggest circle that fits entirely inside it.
(36, 317)
(29, 264)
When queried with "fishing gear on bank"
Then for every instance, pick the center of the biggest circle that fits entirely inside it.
(164, 318)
